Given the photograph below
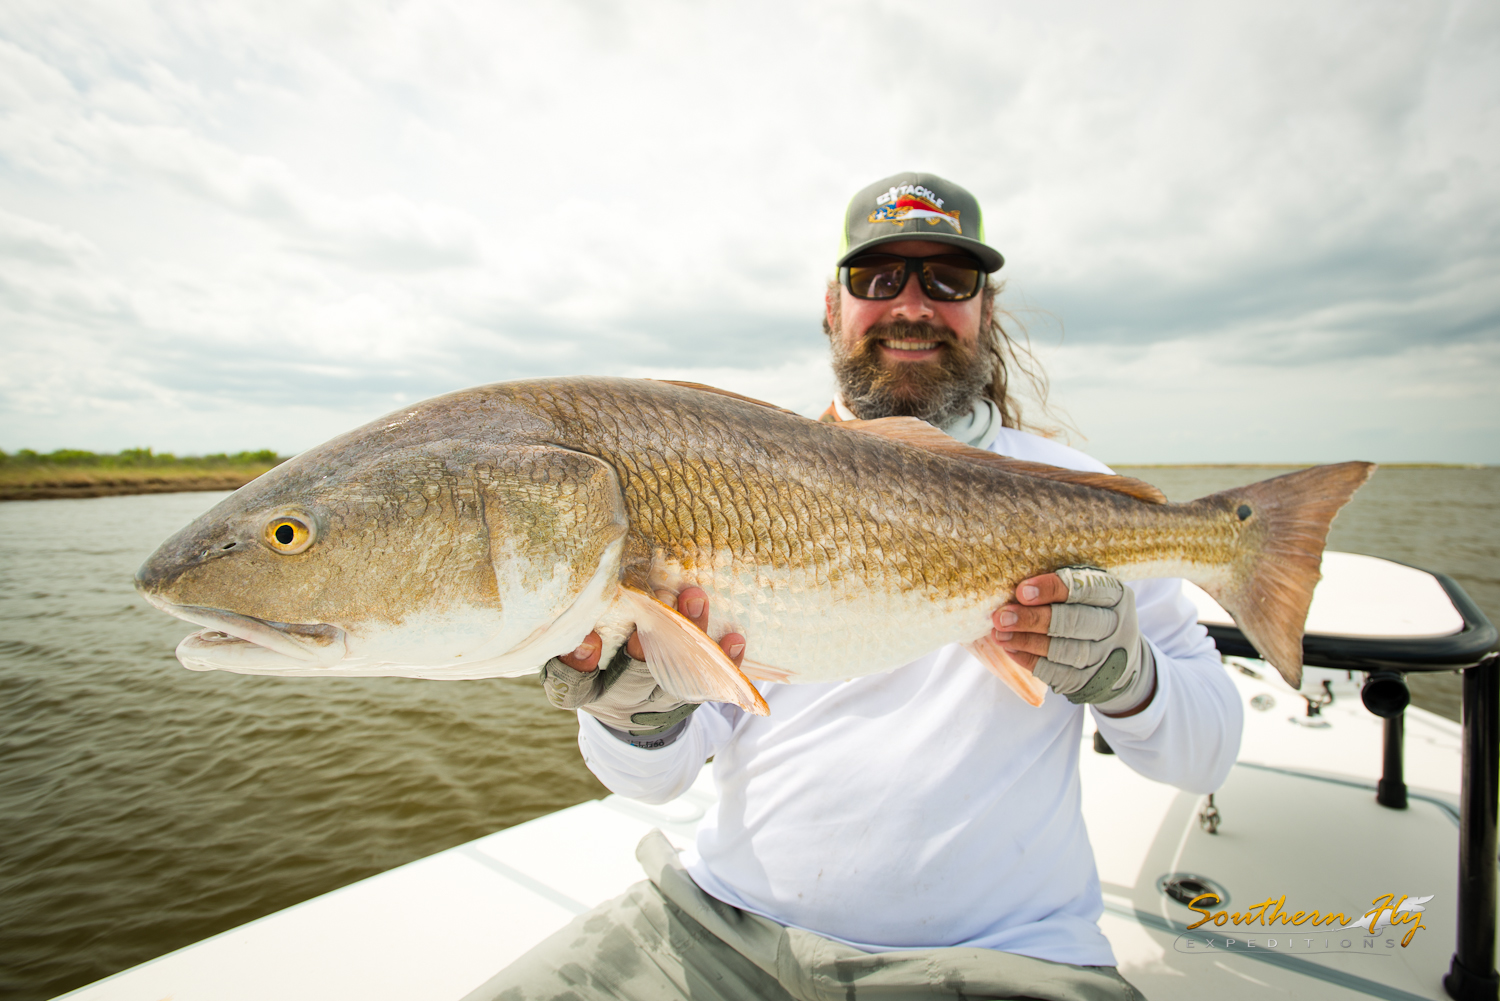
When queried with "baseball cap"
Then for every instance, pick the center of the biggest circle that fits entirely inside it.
(913, 206)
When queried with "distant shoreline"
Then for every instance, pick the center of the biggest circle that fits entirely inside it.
(74, 472)
(57, 484)
(120, 482)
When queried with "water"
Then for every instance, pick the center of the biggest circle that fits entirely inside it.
(144, 807)
(1438, 519)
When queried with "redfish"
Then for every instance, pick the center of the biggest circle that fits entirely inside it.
(480, 533)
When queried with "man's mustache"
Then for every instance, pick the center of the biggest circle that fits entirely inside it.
(920, 330)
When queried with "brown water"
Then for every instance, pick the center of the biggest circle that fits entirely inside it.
(144, 807)
(1446, 520)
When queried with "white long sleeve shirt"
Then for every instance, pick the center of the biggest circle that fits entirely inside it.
(929, 806)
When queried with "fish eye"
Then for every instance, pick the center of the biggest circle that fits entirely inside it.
(289, 534)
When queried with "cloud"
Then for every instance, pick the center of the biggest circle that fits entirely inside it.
(217, 216)
(154, 129)
(1427, 403)
(27, 241)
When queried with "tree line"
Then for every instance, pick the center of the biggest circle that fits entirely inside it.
(134, 458)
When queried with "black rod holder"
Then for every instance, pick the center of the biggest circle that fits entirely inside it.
(1391, 790)
(1472, 975)
(1385, 694)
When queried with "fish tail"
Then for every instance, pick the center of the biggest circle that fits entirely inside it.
(1286, 521)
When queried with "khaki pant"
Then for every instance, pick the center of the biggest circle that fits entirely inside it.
(666, 938)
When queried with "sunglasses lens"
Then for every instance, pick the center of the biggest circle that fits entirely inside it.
(951, 278)
(876, 277)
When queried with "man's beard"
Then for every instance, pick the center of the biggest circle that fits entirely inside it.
(937, 391)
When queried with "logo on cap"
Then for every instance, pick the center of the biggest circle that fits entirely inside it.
(912, 201)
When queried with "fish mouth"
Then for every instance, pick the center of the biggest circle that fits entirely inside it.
(227, 635)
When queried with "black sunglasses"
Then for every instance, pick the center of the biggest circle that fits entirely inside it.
(945, 278)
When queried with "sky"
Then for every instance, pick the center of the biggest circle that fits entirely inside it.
(1234, 232)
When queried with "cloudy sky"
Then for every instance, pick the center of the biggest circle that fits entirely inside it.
(1243, 231)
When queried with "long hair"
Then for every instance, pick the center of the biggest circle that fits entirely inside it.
(1013, 358)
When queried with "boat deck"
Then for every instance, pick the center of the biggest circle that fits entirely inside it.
(1316, 836)
(439, 927)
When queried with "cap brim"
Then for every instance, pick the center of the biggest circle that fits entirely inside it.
(990, 258)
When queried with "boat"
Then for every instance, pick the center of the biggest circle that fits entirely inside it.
(1343, 796)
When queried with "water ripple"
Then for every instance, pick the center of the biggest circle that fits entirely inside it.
(147, 806)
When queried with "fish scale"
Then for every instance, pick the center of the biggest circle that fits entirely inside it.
(477, 534)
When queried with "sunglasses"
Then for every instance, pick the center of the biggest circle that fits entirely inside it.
(945, 278)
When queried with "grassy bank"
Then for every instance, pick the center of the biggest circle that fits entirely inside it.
(29, 475)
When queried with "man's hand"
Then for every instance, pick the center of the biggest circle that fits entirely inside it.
(624, 696)
(1077, 631)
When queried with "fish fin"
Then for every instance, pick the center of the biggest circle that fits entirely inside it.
(684, 661)
(1285, 555)
(724, 392)
(1021, 681)
(920, 434)
(764, 672)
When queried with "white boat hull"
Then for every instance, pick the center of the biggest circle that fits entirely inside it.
(1298, 812)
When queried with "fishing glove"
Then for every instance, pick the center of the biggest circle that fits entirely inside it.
(1097, 655)
(623, 696)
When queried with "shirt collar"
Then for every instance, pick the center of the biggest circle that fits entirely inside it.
(978, 427)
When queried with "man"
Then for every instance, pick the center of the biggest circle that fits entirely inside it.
(916, 833)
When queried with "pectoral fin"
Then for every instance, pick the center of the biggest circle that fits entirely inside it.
(683, 660)
(993, 656)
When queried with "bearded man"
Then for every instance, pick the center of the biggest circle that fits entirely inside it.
(916, 833)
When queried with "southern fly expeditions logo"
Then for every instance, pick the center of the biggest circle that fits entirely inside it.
(913, 202)
(1376, 930)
